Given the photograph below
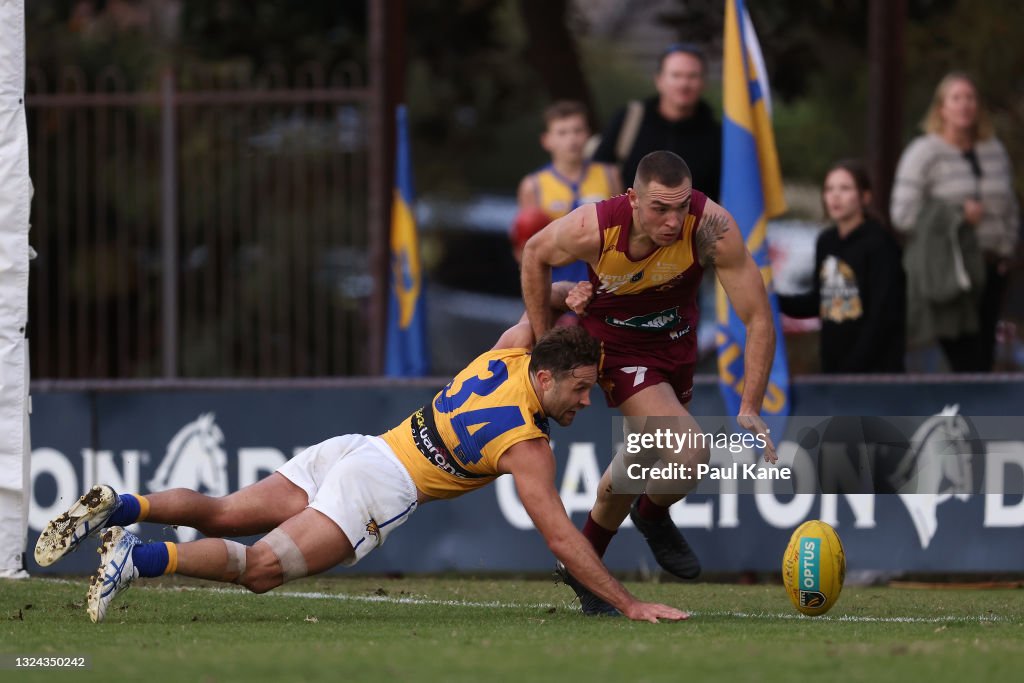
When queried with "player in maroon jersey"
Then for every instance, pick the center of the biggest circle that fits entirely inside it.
(646, 253)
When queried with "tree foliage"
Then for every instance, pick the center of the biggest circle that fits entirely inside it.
(480, 70)
(817, 55)
(273, 33)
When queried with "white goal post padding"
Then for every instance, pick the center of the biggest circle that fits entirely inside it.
(15, 195)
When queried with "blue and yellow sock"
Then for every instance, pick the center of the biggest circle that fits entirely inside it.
(132, 509)
(155, 559)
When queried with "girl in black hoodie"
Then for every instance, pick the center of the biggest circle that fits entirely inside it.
(859, 285)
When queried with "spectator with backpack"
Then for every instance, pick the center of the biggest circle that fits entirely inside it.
(677, 119)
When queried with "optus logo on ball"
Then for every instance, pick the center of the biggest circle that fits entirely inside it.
(810, 573)
(809, 555)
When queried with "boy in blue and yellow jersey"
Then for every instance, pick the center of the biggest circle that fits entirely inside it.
(337, 501)
(569, 181)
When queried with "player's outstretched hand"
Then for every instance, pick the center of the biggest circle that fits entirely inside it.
(578, 298)
(652, 612)
(754, 423)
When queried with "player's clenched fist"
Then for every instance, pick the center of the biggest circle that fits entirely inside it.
(578, 298)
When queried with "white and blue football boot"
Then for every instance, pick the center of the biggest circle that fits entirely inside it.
(86, 517)
(116, 572)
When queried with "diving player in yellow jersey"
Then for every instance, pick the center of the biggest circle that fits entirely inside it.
(337, 501)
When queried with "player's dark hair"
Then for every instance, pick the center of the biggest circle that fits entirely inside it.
(663, 167)
(563, 349)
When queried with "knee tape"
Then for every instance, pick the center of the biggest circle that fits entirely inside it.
(293, 564)
(236, 558)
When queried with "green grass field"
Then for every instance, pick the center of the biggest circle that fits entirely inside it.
(364, 628)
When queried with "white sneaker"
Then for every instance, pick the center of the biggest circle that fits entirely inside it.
(116, 572)
(85, 518)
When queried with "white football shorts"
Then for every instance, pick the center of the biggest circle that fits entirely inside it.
(359, 484)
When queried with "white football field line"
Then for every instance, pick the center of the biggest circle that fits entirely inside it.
(406, 600)
(410, 600)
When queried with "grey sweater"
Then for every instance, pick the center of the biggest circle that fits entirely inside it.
(932, 168)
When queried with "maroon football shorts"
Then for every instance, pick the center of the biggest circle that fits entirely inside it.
(625, 372)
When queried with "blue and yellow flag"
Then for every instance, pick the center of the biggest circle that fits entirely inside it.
(407, 354)
(752, 193)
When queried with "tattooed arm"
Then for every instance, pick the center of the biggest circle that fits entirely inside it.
(720, 246)
(710, 232)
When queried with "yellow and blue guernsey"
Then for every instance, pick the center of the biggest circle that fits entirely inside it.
(558, 195)
(452, 445)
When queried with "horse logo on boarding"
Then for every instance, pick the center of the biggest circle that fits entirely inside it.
(936, 468)
(194, 460)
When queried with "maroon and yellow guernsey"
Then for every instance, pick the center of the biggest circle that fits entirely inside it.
(642, 304)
